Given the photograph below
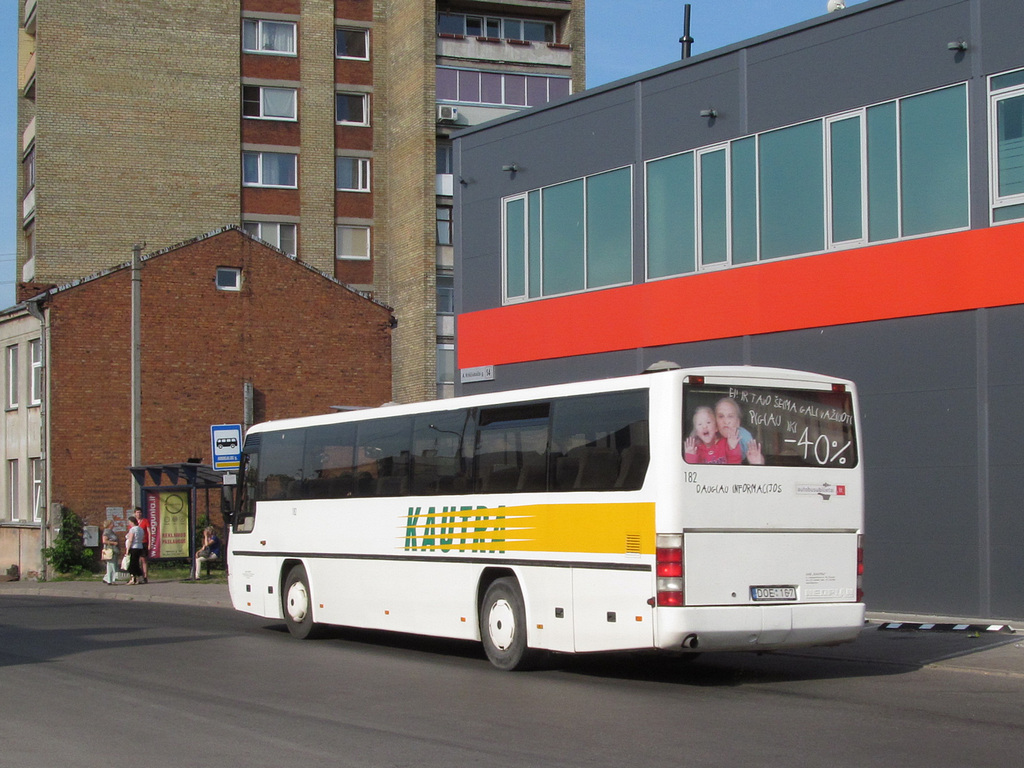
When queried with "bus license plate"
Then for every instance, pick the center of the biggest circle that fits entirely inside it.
(772, 593)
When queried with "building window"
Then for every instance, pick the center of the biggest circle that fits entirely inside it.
(28, 166)
(269, 169)
(12, 489)
(444, 225)
(229, 279)
(444, 156)
(38, 484)
(569, 237)
(12, 376)
(262, 36)
(352, 43)
(36, 382)
(445, 370)
(496, 27)
(352, 242)
(351, 109)
(892, 170)
(268, 103)
(281, 236)
(1006, 126)
(352, 174)
(508, 89)
(445, 295)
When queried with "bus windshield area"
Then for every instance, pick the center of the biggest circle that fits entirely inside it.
(740, 424)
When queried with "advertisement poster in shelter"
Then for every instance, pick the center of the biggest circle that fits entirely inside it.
(168, 523)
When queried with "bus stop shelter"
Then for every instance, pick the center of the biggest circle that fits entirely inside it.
(170, 495)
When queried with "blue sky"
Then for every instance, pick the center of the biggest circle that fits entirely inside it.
(623, 39)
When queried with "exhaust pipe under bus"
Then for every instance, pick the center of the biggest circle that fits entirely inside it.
(691, 642)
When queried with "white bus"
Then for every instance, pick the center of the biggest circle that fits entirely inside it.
(683, 510)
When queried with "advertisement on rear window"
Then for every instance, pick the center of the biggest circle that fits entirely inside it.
(740, 424)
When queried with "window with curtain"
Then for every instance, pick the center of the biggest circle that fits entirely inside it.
(264, 36)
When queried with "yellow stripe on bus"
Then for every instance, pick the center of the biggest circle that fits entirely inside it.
(604, 528)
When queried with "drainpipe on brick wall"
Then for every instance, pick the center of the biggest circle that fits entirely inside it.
(35, 308)
(136, 407)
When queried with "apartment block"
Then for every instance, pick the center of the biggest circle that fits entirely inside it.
(318, 126)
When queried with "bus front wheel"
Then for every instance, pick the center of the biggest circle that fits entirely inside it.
(298, 604)
(503, 627)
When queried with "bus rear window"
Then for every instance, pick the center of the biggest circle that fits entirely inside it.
(733, 424)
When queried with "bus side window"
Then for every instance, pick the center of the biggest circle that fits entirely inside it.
(280, 470)
(383, 461)
(438, 460)
(510, 448)
(600, 442)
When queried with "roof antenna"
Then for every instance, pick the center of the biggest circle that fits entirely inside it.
(686, 40)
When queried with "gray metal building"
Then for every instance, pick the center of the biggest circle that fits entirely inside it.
(843, 196)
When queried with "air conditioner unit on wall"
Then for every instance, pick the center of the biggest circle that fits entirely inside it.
(447, 113)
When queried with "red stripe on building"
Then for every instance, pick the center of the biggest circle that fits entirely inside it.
(947, 273)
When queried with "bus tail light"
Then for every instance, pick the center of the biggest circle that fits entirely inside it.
(860, 569)
(669, 569)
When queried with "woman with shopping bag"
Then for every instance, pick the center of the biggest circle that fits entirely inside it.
(134, 541)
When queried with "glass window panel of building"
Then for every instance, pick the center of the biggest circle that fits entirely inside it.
(898, 169)
(1006, 126)
(569, 237)
(352, 43)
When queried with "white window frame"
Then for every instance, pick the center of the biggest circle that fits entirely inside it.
(13, 388)
(12, 489)
(229, 279)
(366, 43)
(994, 98)
(337, 240)
(861, 115)
(35, 347)
(263, 90)
(260, 172)
(366, 108)
(38, 484)
(361, 176)
(259, 24)
(270, 232)
(698, 228)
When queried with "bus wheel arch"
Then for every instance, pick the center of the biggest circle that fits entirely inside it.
(503, 625)
(297, 601)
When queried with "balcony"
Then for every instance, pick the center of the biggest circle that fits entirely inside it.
(27, 77)
(28, 206)
(30, 16)
(464, 48)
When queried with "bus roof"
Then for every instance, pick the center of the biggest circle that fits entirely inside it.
(745, 373)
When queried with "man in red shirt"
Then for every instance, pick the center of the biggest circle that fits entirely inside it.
(144, 560)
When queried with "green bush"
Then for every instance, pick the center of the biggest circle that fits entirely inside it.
(68, 554)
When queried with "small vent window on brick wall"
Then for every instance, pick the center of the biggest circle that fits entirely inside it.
(229, 279)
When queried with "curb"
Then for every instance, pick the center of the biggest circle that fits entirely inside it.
(913, 626)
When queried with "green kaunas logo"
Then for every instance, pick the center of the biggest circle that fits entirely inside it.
(447, 528)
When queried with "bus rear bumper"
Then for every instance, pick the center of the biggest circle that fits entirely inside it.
(757, 627)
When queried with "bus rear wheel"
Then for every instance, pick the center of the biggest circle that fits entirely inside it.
(297, 604)
(503, 627)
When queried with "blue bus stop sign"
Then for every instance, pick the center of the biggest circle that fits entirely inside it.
(226, 440)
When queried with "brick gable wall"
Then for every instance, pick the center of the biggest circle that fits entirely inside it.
(305, 342)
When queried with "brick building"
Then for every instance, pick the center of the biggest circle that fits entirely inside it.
(319, 126)
(230, 332)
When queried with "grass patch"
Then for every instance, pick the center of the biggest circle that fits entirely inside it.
(162, 570)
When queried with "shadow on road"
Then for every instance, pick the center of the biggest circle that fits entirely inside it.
(874, 653)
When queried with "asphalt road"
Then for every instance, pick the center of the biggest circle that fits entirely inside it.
(113, 683)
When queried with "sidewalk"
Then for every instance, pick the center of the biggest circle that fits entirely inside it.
(207, 593)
